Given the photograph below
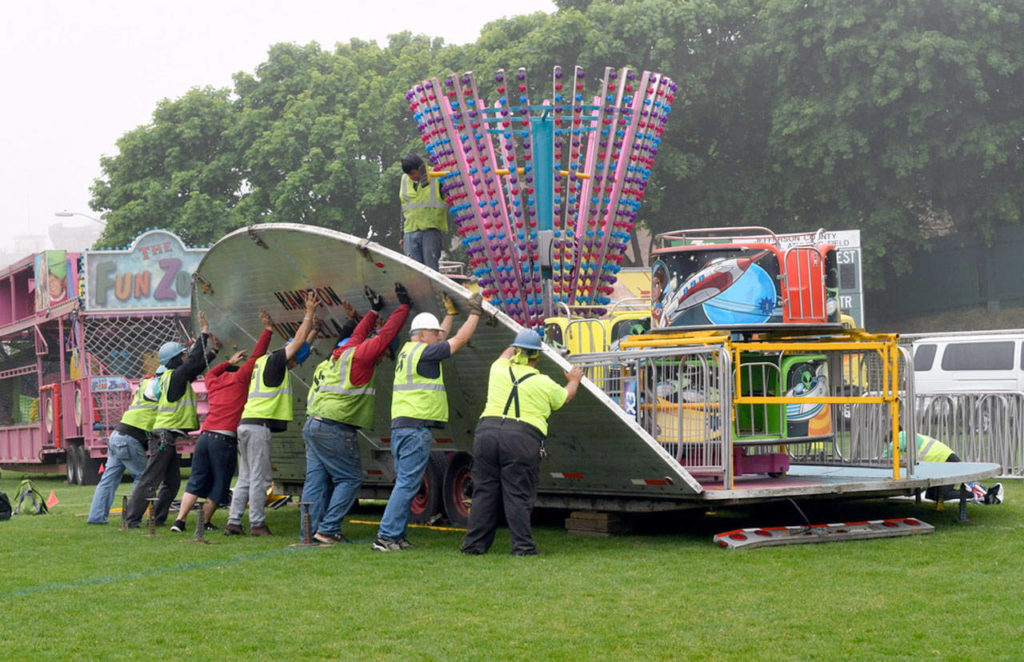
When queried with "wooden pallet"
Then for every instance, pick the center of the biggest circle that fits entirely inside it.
(595, 524)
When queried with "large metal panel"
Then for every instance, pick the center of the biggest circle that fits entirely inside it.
(594, 448)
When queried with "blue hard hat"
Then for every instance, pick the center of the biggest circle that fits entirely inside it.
(344, 342)
(169, 350)
(528, 339)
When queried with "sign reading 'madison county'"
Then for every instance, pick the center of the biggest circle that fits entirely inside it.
(155, 273)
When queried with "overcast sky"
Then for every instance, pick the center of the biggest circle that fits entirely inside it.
(77, 74)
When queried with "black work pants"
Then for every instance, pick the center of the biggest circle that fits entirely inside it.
(506, 468)
(164, 470)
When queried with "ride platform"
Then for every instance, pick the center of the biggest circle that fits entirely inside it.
(603, 452)
(803, 481)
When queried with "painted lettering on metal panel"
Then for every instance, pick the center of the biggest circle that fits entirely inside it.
(155, 273)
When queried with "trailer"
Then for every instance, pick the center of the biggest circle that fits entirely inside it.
(77, 332)
(674, 419)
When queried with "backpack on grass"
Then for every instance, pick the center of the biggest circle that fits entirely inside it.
(27, 492)
(5, 507)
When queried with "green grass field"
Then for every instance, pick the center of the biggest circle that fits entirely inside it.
(71, 591)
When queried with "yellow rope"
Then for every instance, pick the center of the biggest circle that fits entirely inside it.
(415, 526)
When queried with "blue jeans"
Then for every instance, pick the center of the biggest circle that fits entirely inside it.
(123, 451)
(424, 246)
(411, 448)
(332, 457)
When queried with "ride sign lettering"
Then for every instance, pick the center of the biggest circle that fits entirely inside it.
(154, 274)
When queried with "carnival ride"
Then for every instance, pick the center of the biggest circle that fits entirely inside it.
(735, 395)
(658, 425)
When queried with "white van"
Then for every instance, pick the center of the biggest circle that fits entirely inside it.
(969, 363)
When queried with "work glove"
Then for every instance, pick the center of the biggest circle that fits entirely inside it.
(402, 295)
(449, 305)
(476, 304)
(376, 300)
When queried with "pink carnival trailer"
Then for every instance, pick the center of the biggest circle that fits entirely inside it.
(77, 333)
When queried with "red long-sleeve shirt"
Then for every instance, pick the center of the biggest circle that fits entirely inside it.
(227, 390)
(365, 356)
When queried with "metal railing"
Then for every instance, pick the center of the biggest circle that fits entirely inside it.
(704, 403)
(979, 427)
(678, 396)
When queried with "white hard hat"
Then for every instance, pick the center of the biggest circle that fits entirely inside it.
(425, 322)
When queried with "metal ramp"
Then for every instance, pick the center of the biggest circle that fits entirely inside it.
(799, 535)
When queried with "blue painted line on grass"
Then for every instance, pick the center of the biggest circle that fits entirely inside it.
(142, 575)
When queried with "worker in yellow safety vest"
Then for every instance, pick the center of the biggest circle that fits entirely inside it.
(268, 409)
(419, 404)
(930, 449)
(509, 442)
(342, 400)
(424, 210)
(176, 416)
(126, 449)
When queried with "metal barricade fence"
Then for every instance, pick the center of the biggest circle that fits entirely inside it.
(128, 345)
(979, 427)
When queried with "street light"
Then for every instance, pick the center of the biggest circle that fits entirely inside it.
(68, 214)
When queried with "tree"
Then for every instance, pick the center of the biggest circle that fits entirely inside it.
(885, 115)
(178, 172)
(894, 118)
(312, 137)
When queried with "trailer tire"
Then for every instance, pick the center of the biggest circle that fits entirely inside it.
(90, 468)
(69, 461)
(76, 458)
(427, 503)
(458, 489)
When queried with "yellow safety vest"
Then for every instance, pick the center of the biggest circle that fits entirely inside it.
(266, 402)
(141, 413)
(416, 396)
(337, 398)
(929, 449)
(422, 206)
(318, 376)
(505, 397)
(180, 415)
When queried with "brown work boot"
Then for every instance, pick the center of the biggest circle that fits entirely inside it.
(233, 530)
(260, 530)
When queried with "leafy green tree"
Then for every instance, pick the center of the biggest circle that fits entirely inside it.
(887, 115)
(901, 119)
(311, 137)
(179, 172)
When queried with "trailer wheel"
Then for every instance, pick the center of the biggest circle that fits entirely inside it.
(75, 454)
(427, 502)
(90, 468)
(458, 489)
(69, 460)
